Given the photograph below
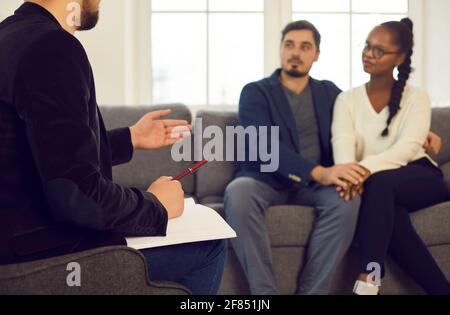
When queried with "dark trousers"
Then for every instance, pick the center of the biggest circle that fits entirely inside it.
(385, 226)
(198, 266)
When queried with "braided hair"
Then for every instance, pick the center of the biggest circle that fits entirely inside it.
(403, 36)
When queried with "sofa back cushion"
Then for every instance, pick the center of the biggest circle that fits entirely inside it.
(446, 170)
(441, 125)
(146, 166)
(213, 178)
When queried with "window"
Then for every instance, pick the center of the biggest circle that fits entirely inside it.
(205, 51)
(344, 26)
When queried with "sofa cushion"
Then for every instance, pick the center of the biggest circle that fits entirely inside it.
(432, 224)
(291, 225)
(286, 225)
(146, 166)
(213, 202)
(213, 178)
(440, 125)
(446, 170)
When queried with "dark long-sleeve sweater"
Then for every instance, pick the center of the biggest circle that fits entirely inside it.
(56, 189)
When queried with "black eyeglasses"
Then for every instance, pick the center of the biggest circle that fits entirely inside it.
(377, 51)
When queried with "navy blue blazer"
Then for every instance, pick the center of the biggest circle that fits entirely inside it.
(264, 103)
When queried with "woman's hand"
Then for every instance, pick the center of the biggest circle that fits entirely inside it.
(433, 144)
(339, 175)
(352, 190)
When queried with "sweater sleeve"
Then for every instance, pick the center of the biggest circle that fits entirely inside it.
(343, 131)
(410, 138)
(121, 146)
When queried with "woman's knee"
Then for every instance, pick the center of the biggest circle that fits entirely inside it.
(379, 181)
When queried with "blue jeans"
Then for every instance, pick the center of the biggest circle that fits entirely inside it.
(246, 204)
(197, 266)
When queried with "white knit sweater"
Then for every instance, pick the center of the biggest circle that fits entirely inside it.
(357, 129)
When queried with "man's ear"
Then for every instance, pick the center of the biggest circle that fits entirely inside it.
(316, 58)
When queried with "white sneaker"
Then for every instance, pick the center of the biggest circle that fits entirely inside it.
(364, 288)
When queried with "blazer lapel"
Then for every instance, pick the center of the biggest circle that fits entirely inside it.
(323, 114)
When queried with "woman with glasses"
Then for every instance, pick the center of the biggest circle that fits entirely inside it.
(382, 126)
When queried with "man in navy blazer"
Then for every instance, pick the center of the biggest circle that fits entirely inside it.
(302, 109)
(264, 103)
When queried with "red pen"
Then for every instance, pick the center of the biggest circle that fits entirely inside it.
(190, 170)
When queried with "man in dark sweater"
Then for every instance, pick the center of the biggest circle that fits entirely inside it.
(56, 190)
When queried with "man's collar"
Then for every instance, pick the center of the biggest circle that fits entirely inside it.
(33, 9)
(275, 78)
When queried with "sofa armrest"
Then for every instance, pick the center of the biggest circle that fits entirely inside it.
(446, 170)
(439, 125)
(107, 270)
(212, 179)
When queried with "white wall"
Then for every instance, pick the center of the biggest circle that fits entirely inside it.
(7, 7)
(105, 48)
(118, 70)
(437, 51)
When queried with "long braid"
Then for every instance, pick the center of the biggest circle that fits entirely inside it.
(404, 71)
(404, 34)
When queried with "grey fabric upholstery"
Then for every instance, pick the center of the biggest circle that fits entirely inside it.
(108, 270)
(149, 165)
(212, 179)
(289, 228)
(446, 170)
(440, 125)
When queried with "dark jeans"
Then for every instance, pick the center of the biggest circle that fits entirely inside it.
(197, 266)
(385, 226)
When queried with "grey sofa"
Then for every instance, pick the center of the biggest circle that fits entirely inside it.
(102, 271)
(288, 226)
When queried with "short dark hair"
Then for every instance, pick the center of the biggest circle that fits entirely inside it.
(303, 25)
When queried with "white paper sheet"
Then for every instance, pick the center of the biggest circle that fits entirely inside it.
(198, 223)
